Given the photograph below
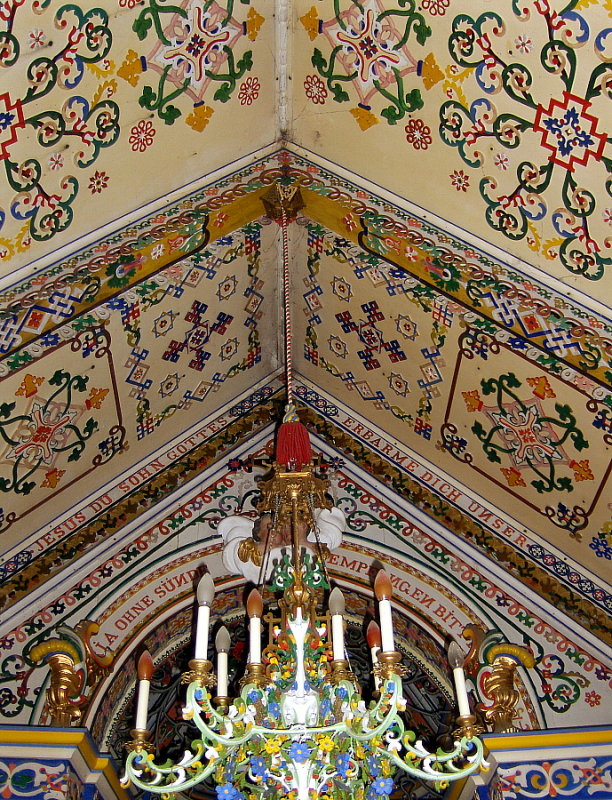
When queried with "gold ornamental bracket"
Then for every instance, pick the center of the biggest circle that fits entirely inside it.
(496, 662)
(284, 490)
(282, 203)
(76, 669)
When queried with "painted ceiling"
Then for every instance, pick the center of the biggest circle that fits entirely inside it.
(449, 281)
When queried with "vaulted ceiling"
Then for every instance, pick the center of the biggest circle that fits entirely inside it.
(449, 280)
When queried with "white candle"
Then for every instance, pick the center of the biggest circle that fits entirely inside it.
(374, 641)
(254, 612)
(145, 671)
(337, 606)
(205, 595)
(382, 590)
(222, 643)
(455, 659)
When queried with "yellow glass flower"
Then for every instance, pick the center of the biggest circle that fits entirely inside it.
(326, 743)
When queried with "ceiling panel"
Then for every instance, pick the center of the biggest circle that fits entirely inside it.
(494, 118)
(112, 106)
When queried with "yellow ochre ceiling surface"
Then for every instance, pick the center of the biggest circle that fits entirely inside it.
(449, 278)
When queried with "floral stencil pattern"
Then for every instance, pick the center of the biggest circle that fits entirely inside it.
(565, 115)
(45, 208)
(369, 53)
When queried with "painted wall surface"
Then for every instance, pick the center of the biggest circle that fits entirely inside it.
(108, 106)
(150, 574)
(424, 370)
(496, 118)
(122, 379)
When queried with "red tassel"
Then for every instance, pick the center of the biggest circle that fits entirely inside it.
(293, 450)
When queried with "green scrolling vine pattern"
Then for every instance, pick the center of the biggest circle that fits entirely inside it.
(536, 440)
(85, 40)
(558, 111)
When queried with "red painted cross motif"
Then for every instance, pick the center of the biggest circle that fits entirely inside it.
(45, 433)
(530, 439)
(369, 47)
(569, 132)
(201, 48)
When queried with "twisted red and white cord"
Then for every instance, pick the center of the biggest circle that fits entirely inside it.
(287, 309)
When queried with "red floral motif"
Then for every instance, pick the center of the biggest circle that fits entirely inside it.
(315, 89)
(141, 135)
(249, 91)
(98, 181)
(418, 134)
(37, 39)
(460, 180)
(592, 698)
(437, 8)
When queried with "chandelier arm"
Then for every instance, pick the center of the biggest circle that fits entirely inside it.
(373, 713)
(454, 773)
(162, 773)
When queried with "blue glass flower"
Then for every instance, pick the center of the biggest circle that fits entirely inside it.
(274, 709)
(228, 791)
(258, 767)
(342, 764)
(382, 786)
(374, 766)
(299, 752)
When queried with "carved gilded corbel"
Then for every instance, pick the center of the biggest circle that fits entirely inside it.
(498, 685)
(75, 669)
(495, 662)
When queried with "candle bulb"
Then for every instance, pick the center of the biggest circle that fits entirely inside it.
(205, 595)
(455, 659)
(336, 606)
(382, 590)
(222, 643)
(254, 612)
(145, 671)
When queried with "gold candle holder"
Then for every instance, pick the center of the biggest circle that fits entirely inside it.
(256, 674)
(389, 665)
(340, 671)
(140, 741)
(222, 703)
(199, 670)
(468, 726)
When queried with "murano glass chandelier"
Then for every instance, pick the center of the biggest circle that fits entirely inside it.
(299, 726)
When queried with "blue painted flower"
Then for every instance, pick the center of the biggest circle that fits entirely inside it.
(258, 767)
(325, 706)
(342, 764)
(382, 786)
(341, 692)
(253, 696)
(299, 752)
